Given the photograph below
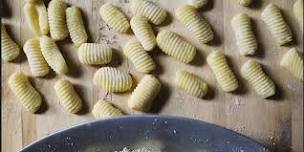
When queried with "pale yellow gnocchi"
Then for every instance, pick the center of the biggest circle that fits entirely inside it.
(245, 38)
(257, 78)
(175, 46)
(141, 60)
(38, 66)
(150, 10)
(52, 55)
(75, 25)
(145, 92)
(9, 49)
(114, 18)
(199, 3)
(95, 53)
(245, 2)
(24, 91)
(223, 74)
(68, 97)
(293, 62)
(104, 109)
(276, 24)
(143, 32)
(198, 26)
(191, 83)
(31, 17)
(57, 20)
(112, 80)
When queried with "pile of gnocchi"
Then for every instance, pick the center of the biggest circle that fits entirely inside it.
(58, 21)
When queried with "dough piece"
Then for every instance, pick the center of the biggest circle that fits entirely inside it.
(57, 20)
(293, 62)
(198, 26)
(38, 66)
(104, 110)
(112, 80)
(142, 97)
(25, 92)
(9, 49)
(95, 53)
(175, 46)
(223, 74)
(141, 60)
(276, 24)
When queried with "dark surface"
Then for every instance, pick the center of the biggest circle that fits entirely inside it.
(175, 135)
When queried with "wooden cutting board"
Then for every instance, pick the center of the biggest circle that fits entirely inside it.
(277, 123)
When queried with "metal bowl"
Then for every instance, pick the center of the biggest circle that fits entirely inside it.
(169, 134)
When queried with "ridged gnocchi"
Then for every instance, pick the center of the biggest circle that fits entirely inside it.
(257, 78)
(198, 3)
(175, 46)
(95, 53)
(245, 38)
(24, 91)
(143, 32)
(223, 74)
(104, 109)
(293, 62)
(75, 25)
(141, 60)
(42, 17)
(9, 49)
(150, 10)
(142, 97)
(57, 20)
(114, 18)
(276, 24)
(112, 80)
(38, 65)
(191, 83)
(31, 17)
(68, 97)
(52, 55)
(245, 2)
(198, 26)
(298, 12)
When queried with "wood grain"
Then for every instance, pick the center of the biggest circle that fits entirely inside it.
(277, 122)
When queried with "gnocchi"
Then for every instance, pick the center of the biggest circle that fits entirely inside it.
(68, 97)
(198, 26)
(143, 32)
(276, 24)
(95, 53)
(104, 109)
(191, 83)
(24, 91)
(38, 65)
(261, 83)
(114, 18)
(198, 3)
(298, 12)
(245, 38)
(223, 74)
(112, 80)
(150, 10)
(57, 20)
(175, 46)
(52, 55)
(31, 16)
(42, 17)
(142, 97)
(141, 60)
(245, 2)
(293, 62)
(9, 49)
(75, 25)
